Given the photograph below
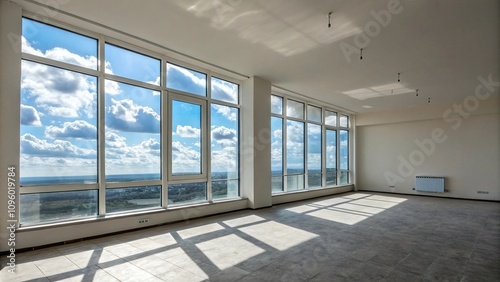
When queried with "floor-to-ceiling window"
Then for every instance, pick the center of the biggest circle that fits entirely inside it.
(305, 153)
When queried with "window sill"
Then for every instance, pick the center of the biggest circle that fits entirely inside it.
(120, 215)
(312, 190)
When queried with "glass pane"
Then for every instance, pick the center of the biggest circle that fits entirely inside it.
(331, 177)
(58, 44)
(133, 149)
(42, 207)
(276, 146)
(344, 121)
(224, 144)
(187, 193)
(314, 180)
(295, 109)
(294, 182)
(344, 177)
(330, 118)
(314, 155)
(225, 189)
(186, 80)
(130, 64)
(58, 126)
(344, 149)
(127, 199)
(277, 183)
(313, 113)
(295, 147)
(331, 157)
(224, 90)
(186, 138)
(276, 105)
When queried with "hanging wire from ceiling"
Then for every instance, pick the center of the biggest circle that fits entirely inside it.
(361, 54)
(330, 19)
(399, 75)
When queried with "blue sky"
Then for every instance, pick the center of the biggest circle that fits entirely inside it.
(59, 111)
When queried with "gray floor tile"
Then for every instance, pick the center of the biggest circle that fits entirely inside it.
(416, 263)
(398, 276)
(389, 258)
(370, 272)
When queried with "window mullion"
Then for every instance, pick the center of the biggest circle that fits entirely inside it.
(306, 155)
(101, 128)
(207, 138)
(166, 138)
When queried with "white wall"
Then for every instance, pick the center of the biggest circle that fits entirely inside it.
(393, 147)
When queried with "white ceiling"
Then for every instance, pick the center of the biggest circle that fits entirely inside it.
(439, 47)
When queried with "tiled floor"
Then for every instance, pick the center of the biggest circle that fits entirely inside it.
(348, 237)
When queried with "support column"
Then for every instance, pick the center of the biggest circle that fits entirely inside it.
(256, 142)
(10, 89)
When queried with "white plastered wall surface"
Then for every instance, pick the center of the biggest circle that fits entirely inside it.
(460, 141)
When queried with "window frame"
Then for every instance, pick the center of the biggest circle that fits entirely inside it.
(167, 95)
(175, 96)
(324, 128)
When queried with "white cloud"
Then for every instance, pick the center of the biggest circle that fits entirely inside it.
(295, 143)
(184, 159)
(313, 130)
(78, 129)
(112, 87)
(276, 104)
(314, 161)
(30, 145)
(155, 82)
(295, 133)
(30, 116)
(225, 159)
(225, 91)
(151, 144)
(229, 113)
(331, 120)
(201, 82)
(60, 54)
(225, 136)
(60, 103)
(114, 140)
(124, 158)
(59, 92)
(125, 115)
(187, 131)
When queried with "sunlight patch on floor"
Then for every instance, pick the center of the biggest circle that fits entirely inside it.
(199, 230)
(228, 251)
(243, 220)
(277, 235)
(349, 209)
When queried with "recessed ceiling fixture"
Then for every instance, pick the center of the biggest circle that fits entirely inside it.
(361, 54)
(399, 75)
(329, 19)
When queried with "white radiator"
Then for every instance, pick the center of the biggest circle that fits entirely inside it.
(433, 184)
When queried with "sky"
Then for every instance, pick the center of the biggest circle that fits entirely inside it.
(59, 123)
